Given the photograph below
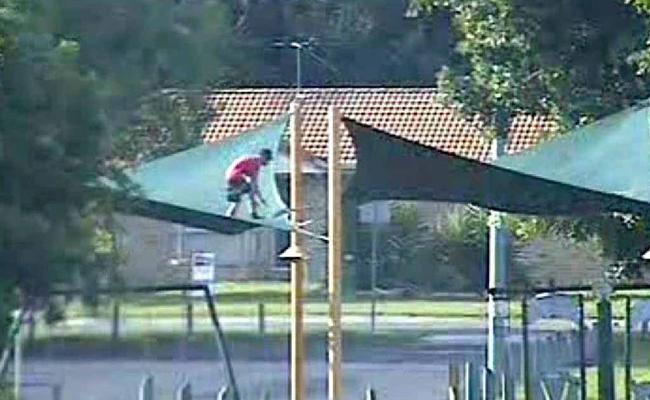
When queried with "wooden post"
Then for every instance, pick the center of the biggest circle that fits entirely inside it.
(115, 326)
(261, 324)
(335, 259)
(189, 314)
(295, 255)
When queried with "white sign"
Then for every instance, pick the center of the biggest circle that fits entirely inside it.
(375, 212)
(203, 265)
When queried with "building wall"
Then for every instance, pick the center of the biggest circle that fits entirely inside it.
(149, 245)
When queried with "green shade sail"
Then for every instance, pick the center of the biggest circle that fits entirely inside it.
(603, 167)
(189, 187)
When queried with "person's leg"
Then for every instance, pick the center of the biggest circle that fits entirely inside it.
(232, 209)
(234, 197)
(254, 212)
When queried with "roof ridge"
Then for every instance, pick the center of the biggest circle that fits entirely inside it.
(320, 89)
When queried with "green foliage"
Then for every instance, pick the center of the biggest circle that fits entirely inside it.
(570, 59)
(409, 237)
(573, 60)
(356, 42)
(165, 122)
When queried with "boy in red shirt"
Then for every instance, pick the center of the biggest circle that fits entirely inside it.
(243, 178)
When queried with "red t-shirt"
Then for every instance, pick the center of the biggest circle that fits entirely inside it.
(249, 166)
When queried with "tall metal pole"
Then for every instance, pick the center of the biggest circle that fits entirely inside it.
(628, 348)
(298, 261)
(373, 269)
(298, 67)
(583, 350)
(498, 307)
(606, 389)
(18, 357)
(525, 349)
(334, 388)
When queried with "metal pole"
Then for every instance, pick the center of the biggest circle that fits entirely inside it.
(261, 323)
(189, 313)
(583, 356)
(335, 257)
(221, 342)
(628, 348)
(525, 351)
(606, 388)
(298, 67)
(184, 392)
(146, 388)
(115, 328)
(18, 358)
(498, 308)
(373, 270)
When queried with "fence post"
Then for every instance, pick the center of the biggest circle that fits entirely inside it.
(628, 348)
(454, 382)
(189, 312)
(184, 392)
(18, 357)
(488, 384)
(146, 388)
(115, 322)
(261, 319)
(471, 382)
(606, 389)
(582, 348)
(223, 393)
(56, 391)
(524, 347)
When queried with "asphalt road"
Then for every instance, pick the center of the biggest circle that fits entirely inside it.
(119, 380)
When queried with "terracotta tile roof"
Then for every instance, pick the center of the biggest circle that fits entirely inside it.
(416, 114)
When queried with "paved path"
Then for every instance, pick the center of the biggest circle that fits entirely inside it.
(118, 380)
(248, 324)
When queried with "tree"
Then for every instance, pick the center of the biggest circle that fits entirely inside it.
(51, 140)
(154, 61)
(572, 60)
(355, 42)
(79, 82)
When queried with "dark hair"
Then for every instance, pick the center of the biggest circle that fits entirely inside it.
(266, 154)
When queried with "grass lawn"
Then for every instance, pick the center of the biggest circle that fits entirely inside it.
(242, 299)
(176, 308)
(639, 374)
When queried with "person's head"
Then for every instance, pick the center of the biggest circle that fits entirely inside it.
(266, 155)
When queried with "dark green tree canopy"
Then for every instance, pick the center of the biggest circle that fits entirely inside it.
(572, 59)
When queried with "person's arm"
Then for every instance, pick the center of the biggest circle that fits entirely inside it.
(256, 190)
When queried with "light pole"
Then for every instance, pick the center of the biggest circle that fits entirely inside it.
(498, 304)
(298, 46)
